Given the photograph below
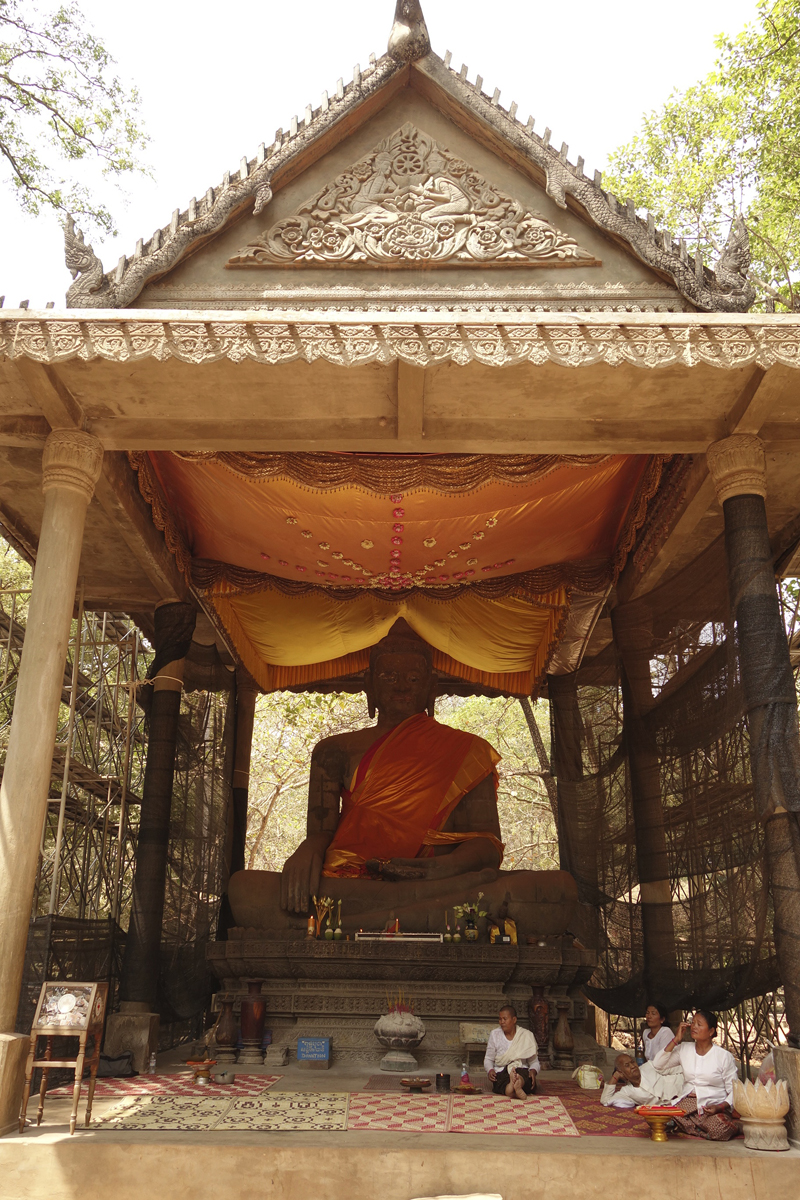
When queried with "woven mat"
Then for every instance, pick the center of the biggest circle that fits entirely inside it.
(399, 1114)
(173, 1085)
(590, 1117)
(299, 1111)
(541, 1116)
(165, 1114)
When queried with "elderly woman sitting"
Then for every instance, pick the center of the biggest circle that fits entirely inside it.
(709, 1071)
(632, 1084)
(514, 1051)
(657, 1034)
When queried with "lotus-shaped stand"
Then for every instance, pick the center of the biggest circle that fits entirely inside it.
(763, 1107)
(400, 1032)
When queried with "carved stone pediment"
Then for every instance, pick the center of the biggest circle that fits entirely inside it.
(410, 204)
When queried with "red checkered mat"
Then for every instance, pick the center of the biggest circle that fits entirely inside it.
(172, 1085)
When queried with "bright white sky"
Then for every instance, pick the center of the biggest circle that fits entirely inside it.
(218, 79)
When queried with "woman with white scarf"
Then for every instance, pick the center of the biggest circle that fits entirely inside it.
(512, 1057)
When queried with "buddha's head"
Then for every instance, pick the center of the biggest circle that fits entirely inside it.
(401, 680)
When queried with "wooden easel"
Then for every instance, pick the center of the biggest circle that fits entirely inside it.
(66, 1010)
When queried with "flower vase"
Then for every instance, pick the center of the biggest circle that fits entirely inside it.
(254, 1015)
(470, 930)
(539, 1016)
(226, 1034)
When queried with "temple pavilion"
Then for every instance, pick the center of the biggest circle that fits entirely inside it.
(411, 361)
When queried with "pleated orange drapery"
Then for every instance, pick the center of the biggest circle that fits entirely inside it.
(347, 536)
(286, 641)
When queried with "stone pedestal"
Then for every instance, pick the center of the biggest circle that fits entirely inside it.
(337, 990)
(134, 1030)
(13, 1056)
(761, 1134)
(251, 1056)
(787, 1066)
(276, 1056)
(400, 1060)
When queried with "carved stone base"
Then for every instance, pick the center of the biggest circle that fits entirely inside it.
(252, 1055)
(225, 1054)
(276, 1056)
(399, 1060)
(338, 990)
(760, 1134)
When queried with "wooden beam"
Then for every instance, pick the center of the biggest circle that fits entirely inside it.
(410, 402)
(747, 414)
(50, 393)
(23, 433)
(18, 534)
(117, 492)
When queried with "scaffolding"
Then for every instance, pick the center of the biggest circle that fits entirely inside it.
(82, 896)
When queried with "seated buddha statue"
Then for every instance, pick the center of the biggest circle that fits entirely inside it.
(402, 821)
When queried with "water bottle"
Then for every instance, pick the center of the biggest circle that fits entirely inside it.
(464, 1073)
(151, 1069)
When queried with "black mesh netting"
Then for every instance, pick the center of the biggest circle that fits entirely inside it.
(657, 818)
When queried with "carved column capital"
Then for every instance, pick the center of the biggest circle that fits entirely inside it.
(738, 466)
(72, 459)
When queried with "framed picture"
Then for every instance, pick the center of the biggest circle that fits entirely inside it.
(70, 1008)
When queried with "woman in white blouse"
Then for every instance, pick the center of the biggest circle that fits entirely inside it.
(709, 1072)
(658, 1034)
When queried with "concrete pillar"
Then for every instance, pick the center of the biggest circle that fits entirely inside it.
(738, 469)
(174, 624)
(71, 466)
(246, 696)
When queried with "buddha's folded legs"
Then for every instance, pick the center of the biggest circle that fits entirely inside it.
(540, 902)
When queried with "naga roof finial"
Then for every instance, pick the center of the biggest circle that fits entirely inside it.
(409, 39)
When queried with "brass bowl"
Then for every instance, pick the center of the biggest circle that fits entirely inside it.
(201, 1070)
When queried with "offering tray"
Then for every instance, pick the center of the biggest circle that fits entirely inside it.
(468, 1089)
(201, 1071)
(657, 1117)
(416, 1083)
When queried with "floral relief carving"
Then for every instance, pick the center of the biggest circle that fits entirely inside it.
(582, 341)
(412, 203)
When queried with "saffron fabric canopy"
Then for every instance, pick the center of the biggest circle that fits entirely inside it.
(309, 559)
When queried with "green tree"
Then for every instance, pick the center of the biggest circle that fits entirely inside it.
(730, 144)
(61, 109)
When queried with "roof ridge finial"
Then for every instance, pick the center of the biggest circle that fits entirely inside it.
(409, 40)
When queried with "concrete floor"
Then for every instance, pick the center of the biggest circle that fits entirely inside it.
(46, 1164)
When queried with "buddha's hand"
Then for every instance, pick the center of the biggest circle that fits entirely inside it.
(302, 872)
(396, 870)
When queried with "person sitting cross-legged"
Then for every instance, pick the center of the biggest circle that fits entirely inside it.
(709, 1071)
(632, 1084)
(512, 1057)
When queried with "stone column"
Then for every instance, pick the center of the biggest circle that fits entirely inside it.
(738, 469)
(174, 624)
(71, 466)
(246, 696)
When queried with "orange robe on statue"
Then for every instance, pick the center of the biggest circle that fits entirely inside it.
(403, 791)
